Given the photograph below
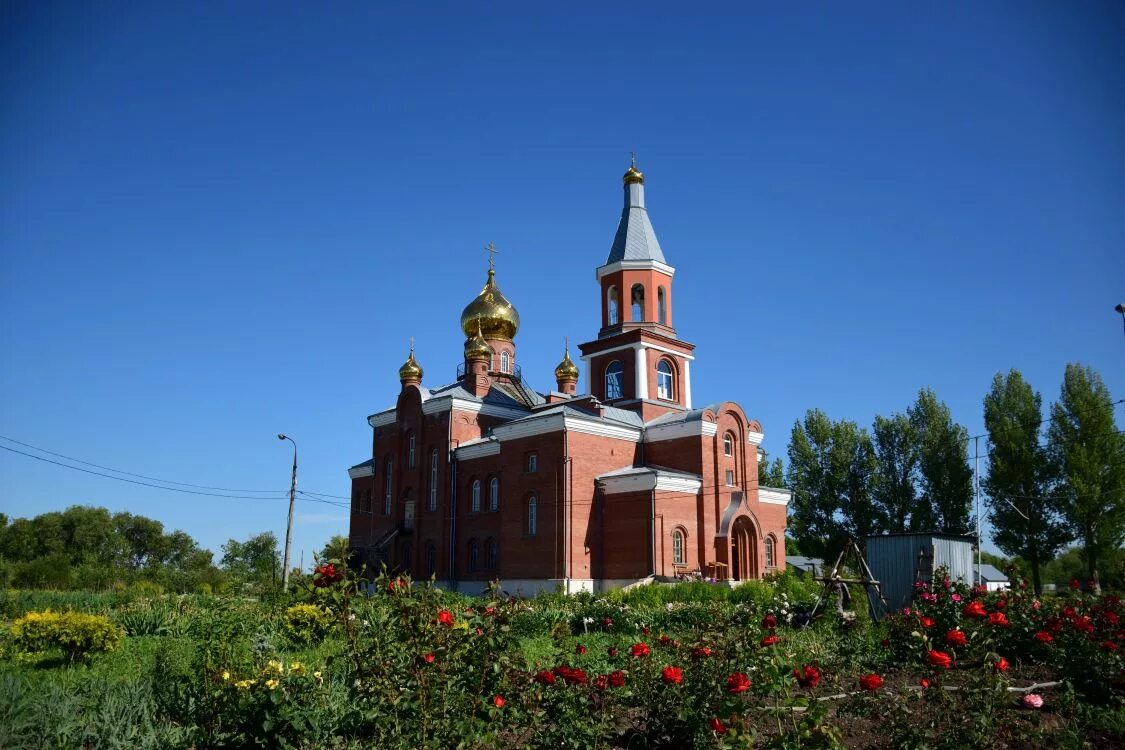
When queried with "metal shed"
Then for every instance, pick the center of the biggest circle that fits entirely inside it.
(898, 560)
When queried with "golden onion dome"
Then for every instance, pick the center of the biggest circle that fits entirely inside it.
(410, 369)
(476, 347)
(634, 175)
(490, 313)
(566, 370)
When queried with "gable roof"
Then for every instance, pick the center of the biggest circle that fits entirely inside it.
(990, 573)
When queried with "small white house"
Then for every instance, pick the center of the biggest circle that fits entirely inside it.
(991, 578)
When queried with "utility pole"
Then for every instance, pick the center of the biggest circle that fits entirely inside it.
(1121, 309)
(289, 526)
(976, 496)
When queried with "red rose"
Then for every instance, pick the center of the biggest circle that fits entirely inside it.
(1109, 646)
(771, 639)
(717, 726)
(1001, 603)
(769, 622)
(429, 658)
(607, 622)
(999, 619)
(927, 622)
(1083, 625)
(326, 575)
(479, 631)
(956, 638)
(808, 676)
(974, 609)
(1044, 637)
(665, 640)
(1001, 665)
(490, 611)
(545, 677)
(640, 649)
(612, 651)
(871, 682)
(499, 701)
(646, 630)
(672, 675)
(1074, 584)
(601, 682)
(738, 683)
(617, 679)
(924, 682)
(445, 617)
(580, 649)
(700, 652)
(939, 659)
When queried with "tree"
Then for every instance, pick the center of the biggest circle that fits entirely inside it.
(830, 466)
(771, 474)
(896, 461)
(946, 477)
(256, 560)
(337, 548)
(1088, 451)
(1020, 487)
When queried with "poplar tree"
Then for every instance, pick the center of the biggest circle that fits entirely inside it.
(771, 474)
(1020, 489)
(946, 478)
(896, 461)
(1088, 451)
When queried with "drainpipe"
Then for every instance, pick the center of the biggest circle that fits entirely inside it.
(566, 509)
(452, 520)
(652, 533)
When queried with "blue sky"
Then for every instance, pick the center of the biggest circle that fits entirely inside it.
(223, 220)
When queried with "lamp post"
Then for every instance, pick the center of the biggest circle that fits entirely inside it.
(1121, 309)
(289, 526)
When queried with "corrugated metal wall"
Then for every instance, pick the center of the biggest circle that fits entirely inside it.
(893, 560)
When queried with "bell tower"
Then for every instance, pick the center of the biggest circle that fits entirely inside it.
(638, 361)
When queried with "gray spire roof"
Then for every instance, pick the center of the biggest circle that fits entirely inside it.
(635, 238)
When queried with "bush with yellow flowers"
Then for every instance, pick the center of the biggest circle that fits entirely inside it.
(307, 623)
(275, 706)
(76, 634)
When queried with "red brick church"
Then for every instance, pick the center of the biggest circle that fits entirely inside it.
(626, 482)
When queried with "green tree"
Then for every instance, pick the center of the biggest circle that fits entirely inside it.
(771, 474)
(896, 462)
(1024, 510)
(256, 560)
(830, 467)
(946, 478)
(336, 548)
(1089, 453)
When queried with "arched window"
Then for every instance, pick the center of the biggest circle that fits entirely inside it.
(637, 302)
(664, 380)
(389, 488)
(611, 306)
(494, 494)
(431, 559)
(410, 451)
(728, 444)
(490, 554)
(505, 362)
(613, 380)
(661, 306)
(769, 552)
(475, 506)
(678, 547)
(433, 479)
(474, 555)
(532, 515)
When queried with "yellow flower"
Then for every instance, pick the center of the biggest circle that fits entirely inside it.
(271, 684)
(316, 674)
(274, 666)
(295, 667)
(226, 676)
(244, 684)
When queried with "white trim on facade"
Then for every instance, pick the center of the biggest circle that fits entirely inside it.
(477, 449)
(755, 438)
(640, 371)
(361, 471)
(645, 479)
(676, 430)
(772, 496)
(634, 265)
(382, 419)
(558, 421)
(687, 383)
(586, 357)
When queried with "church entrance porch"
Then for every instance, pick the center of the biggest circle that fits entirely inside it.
(744, 550)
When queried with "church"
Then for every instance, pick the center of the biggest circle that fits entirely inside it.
(625, 482)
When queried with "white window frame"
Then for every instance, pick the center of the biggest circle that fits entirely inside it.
(770, 562)
(494, 494)
(730, 478)
(678, 543)
(619, 380)
(728, 444)
(533, 515)
(505, 362)
(613, 307)
(474, 506)
(532, 463)
(665, 381)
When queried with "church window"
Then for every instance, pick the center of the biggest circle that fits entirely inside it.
(728, 444)
(431, 559)
(473, 555)
(433, 479)
(678, 547)
(532, 515)
(388, 489)
(637, 302)
(664, 380)
(611, 305)
(475, 507)
(532, 463)
(613, 380)
(769, 552)
(410, 451)
(494, 494)
(505, 362)
(661, 307)
(490, 554)
(730, 478)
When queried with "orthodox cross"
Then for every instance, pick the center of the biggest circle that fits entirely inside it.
(411, 346)
(491, 249)
(633, 159)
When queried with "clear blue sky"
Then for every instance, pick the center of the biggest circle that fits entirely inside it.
(223, 220)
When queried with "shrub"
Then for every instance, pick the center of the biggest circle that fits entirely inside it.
(147, 589)
(307, 623)
(78, 635)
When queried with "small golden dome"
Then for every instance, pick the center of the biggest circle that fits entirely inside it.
(634, 175)
(490, 313)
(410, 369)
(476, 347)
(566, 370)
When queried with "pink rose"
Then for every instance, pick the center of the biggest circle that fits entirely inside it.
(1031, 700)
(956, 597)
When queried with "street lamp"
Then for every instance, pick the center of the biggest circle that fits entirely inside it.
(1121, 309)
(289, 526)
